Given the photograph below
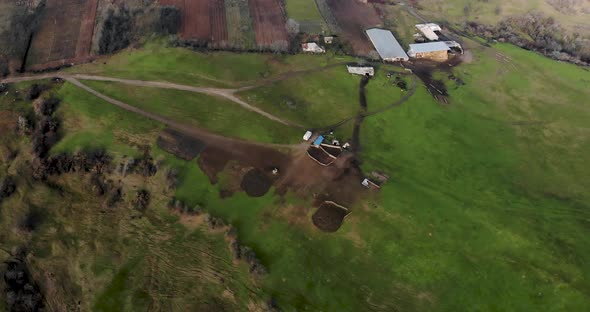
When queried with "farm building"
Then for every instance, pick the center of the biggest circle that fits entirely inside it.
(428, 30)
(312, 47)
(386, 45)
(361, 70)
(455, 46)
(318, 141)
(436, 51)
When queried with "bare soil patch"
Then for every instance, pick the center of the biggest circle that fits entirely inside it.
(354, 18)
(181, 145)
(329, 216)
(256, 183)
(424, 69)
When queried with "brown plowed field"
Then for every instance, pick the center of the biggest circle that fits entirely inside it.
(354, 18)
(58, 32)
(269, 23)
(65, 34)
(195, 18)
(218, 23)
(84, 43)
(202, 19)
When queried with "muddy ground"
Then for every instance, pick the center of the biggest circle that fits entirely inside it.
(181, 145)
(329, 217)
(424, 69)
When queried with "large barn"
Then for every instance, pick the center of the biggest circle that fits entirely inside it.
(386, 45)
(436, 51)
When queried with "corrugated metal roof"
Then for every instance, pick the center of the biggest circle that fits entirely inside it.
(319, 140)
(428, 47)
(386, 44)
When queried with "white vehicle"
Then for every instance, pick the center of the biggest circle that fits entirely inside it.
(307, 135)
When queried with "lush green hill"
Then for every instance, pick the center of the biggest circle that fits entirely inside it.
(486, 208)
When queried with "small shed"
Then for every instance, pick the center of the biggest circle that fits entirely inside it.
(312, 47)
(318, 141)
(436, 51)
(428, 30)
(361, 70)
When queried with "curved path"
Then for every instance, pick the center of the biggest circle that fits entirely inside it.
(196, 132)
(375, 112)
(228, 94)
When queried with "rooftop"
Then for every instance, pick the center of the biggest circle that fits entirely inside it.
(428, 47)
(386, 44)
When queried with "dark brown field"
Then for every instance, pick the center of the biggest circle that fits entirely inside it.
(219, 34)
(354, 18)
(269, 23)
(65, 34)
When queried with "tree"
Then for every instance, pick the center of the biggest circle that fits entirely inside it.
(292, 27)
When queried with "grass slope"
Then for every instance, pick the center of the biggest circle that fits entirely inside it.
(486, 208)
(155, 61)
(488, 204)
(492, 11)
(216, 114)
(320, 99)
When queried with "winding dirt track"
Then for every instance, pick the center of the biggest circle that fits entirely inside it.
(202, 134)
(228, 94)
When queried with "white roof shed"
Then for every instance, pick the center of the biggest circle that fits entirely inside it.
(386, 45)
(429, 30)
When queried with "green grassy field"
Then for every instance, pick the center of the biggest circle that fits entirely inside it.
(303, 10)
(490, 201)
(320, 99)
(486, 208)
(493, 11)
(216, 114)
(306, 13)
(155, 61)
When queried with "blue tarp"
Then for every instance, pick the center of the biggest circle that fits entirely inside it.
(318, 141)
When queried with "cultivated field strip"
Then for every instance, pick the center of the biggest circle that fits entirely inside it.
(330, 19)
(239, 25)
(58, 32)
(219, 35)
(269, 24)
(84, 43)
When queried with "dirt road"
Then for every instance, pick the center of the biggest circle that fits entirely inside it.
(193, 131)
(228, 94)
